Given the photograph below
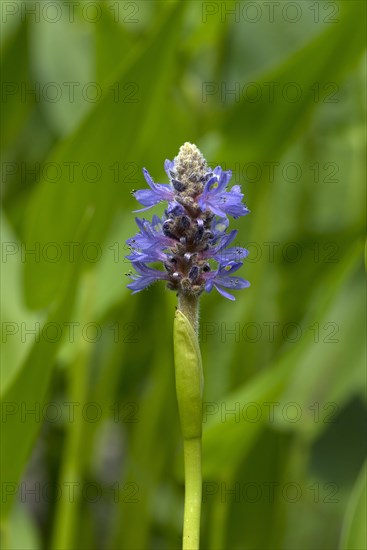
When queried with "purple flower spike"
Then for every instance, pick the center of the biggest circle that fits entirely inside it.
(191, 241)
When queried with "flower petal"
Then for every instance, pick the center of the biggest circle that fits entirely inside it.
(146, 197)
(158, 192)
(236, 283)
(169, 165)
(235, 254)
(148, 178)
(224, 293)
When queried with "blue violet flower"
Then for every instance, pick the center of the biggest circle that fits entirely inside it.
(191, 240)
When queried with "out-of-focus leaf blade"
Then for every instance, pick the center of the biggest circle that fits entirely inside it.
(263, 128)
(23, 399)
(15, 317)
(15, 82)
(321, 384)
(238, 420)
(112, 43)
(235, 423)
(354, 534)
(117, 130)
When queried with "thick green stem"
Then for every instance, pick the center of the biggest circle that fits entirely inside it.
(189, 387)
(193, 488)
(189, 305)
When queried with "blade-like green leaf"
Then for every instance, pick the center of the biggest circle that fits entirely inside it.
(354, 534)
(23, 400)
(233, 421)
(112, 43)
(263, 128)
(15, 317)
(237, 419)
(120, 127)
(15, 80)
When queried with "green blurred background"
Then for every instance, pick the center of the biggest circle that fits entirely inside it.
(91, 451)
